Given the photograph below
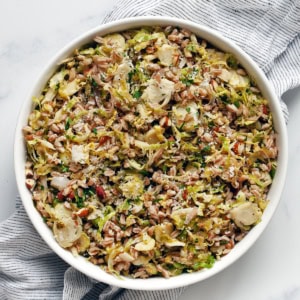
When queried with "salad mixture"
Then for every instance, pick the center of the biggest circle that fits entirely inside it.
(150, 152)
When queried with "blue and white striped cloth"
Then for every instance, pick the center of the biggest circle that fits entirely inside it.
(269, 31)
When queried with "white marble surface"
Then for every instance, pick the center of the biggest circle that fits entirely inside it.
(31, 31)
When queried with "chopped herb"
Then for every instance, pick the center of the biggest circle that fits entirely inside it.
(206, 149)
(188, 76)
(199, 157)
(94, 83)
(236, 103)
(137, 94)
(68, 122)
(70, 137)
(144, 173)
(188, 109)
(55, 201)
(157, 200)
(183, 235)
(211, 124)
(195, 71)
(232, 62)
(130, 76)
(79, 200)
(181, 126)
(187, 81)
(223, 242)
(273, 171)
(133, 75)
(42, 187)
(224, 98)
(89, 191)
(64, 168)
(86, 254)
(137, 200)
(164, 168)
(248, 91)
(94, 130)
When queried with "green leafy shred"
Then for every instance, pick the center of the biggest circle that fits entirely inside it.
(68, 123)
(232, 62)
(137, 94)
(94, 83)
(204, 264)
(79, 200)
(273, 171)
(64, 168)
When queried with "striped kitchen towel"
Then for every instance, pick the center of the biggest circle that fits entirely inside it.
(269, 31)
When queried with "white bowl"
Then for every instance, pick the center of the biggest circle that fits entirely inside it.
(158, 283)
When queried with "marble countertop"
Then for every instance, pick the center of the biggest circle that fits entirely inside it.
(31, 33)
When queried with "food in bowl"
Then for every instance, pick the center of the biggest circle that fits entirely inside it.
(150, 152)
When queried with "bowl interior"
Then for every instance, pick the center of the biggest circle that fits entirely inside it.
(274, 194)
